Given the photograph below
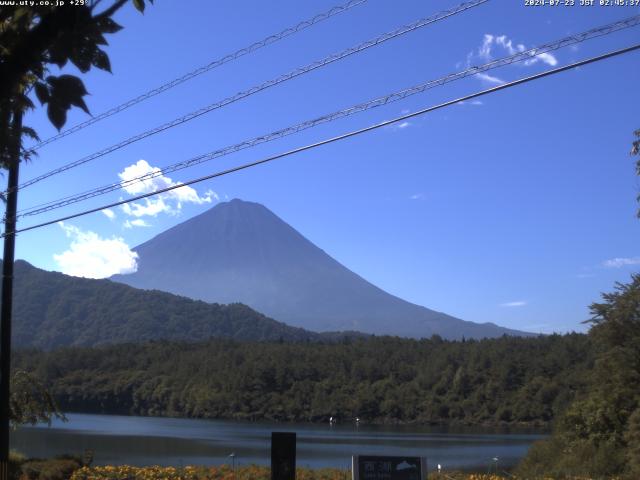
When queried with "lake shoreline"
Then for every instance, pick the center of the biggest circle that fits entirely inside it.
(141, 441)
(543, 427)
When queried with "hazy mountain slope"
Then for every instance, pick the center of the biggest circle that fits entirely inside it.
(241, 252)
(52, 309)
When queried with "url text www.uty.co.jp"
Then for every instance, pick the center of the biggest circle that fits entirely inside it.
(43, 3)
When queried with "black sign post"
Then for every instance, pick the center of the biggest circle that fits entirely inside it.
(283, 456)
(368, 467)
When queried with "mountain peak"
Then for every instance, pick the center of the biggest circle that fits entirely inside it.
(240, 251)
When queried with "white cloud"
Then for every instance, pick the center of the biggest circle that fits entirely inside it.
(621, 262)
(518, 303)
(397, 126)
(485, 77)
(151, 207)
(476, 103)
(484, 52)
(152, 181)
(110, 214)
(507, 44)
(487, 52)
(94, 257)
(211, 194)
(138, 222)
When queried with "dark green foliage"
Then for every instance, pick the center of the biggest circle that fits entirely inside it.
(61, 93)
(635, 150)
(52, 310)
(59, 468)
(35, 37)
(30, 402)
(381, 379)
(599, 434)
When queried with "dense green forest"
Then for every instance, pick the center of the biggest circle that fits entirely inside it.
(598, 435)
(53, 310)
(384, 379)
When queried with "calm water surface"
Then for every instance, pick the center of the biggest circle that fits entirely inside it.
(170, 441)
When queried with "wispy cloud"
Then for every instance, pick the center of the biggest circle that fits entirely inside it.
(499, 45)
(475, 103)
(621, 262)
(169, 202)
(398, 125)
(138, 222)
(517, 303)
(485, 77)
(110, 214)
(91, 256)
(417, 196)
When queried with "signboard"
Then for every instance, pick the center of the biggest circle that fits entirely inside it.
(283, 456)
(369, 467)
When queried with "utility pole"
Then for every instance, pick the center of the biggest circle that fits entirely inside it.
(7, 289)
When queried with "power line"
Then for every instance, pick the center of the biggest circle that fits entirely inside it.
(270, 83)
(199, 71)
(380, 101)
(337, 138)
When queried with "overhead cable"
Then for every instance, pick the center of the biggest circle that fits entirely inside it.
(525, 56)
(336, 138)
(205, 68)
(270, 83)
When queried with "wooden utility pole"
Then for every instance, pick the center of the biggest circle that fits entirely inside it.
(7, 290)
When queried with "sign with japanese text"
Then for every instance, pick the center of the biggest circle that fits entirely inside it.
(369, 467)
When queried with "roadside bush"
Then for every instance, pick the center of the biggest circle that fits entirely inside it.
(59, 468)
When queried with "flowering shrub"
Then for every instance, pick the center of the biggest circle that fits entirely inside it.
(252, 472)
(223, 472)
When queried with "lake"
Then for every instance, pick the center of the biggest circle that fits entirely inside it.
(172, 441)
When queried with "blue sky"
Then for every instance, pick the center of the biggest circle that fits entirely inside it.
(519, 209)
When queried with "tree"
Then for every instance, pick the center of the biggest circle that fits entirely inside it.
(32, 38)
(30, 401)
(599, 434)
(635, 150)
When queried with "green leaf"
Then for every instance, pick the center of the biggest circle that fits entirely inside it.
(82, 57)
(66, 90)
(79, 102)
(107, 25)
(100, 40)
(25, 102)
(42, 92)
(139, 4)
(31, 133)
(101, 60)
(57, 114)
(66, 85)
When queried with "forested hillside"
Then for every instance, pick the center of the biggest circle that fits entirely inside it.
(598, 436)
(53, 310)
(381, 379)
